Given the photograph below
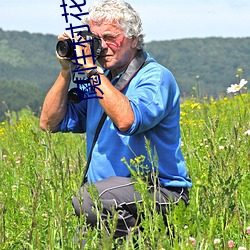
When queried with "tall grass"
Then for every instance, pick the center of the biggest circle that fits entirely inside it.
(40, 172)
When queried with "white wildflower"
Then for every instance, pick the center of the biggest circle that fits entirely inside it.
(242, 248)
(236, 87)
(247, 133)
(217, 241)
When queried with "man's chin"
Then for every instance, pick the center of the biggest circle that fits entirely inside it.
(105, 63)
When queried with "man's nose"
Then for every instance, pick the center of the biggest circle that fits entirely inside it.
(104, 44)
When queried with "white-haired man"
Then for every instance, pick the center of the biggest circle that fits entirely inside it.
(141, 100)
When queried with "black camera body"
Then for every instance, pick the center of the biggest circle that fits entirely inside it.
(65, 48)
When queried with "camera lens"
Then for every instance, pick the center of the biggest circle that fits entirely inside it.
(75, 95)
(64, 48)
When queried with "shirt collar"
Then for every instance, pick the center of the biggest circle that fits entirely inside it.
(115, 80)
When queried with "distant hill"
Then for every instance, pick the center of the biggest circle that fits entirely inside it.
(28, 66)
(28, 57)
(209, 64)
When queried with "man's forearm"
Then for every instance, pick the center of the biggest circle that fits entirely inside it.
(116, 105)
(55, 103)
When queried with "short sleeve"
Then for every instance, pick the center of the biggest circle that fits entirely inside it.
(75, 118)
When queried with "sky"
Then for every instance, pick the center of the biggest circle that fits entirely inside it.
(162, 19)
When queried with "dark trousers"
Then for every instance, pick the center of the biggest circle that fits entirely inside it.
(119, 194)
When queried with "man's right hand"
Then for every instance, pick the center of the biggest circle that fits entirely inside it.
(65, 62)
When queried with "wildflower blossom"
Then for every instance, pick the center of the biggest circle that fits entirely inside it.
(240, 70)
(195, 106)
(236, 87)
(242, 248)
(198, 182)
(132, 162)
(248, 230)
(45, 216)
(14, 188)
(192, 240)
(216, 241)
(247, 133)
(230, 244)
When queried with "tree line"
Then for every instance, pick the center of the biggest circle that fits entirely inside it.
(202, 67)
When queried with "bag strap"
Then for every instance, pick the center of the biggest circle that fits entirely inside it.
(136, 64)
(97, 132)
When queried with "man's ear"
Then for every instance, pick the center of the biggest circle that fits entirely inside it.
(134, 42)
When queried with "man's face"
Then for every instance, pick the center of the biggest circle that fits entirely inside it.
(118, 50)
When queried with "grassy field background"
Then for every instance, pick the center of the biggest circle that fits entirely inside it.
(40, 172)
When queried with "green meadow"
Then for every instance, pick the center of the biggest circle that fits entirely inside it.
(40, 172)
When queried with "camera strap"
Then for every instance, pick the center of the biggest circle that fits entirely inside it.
(136, 64)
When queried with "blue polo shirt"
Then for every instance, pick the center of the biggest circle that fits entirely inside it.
(154, 97)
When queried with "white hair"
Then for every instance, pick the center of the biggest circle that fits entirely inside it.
(120, 13)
